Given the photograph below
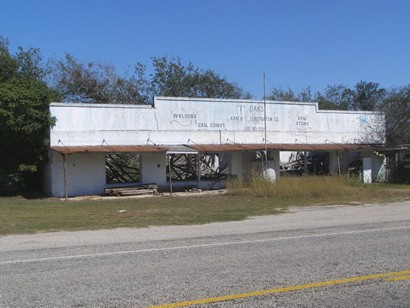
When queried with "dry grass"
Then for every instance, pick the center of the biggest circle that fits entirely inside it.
(291, 187)
(257, 197)
(317, 189)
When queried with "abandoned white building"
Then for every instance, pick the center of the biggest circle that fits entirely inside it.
(198, 142)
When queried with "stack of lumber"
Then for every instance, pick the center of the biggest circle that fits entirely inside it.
(151, 189)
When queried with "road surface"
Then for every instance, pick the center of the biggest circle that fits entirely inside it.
(335, 256)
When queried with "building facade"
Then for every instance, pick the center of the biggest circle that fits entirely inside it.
(241, 135)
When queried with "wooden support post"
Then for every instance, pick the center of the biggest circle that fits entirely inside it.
(170, 174)
(338, 162)
(65, 177)
(305, 161)
(198, 167)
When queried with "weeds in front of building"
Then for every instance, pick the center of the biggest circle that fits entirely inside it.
(309, 188)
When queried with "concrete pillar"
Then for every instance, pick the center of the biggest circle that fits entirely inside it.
(367, 170)
(273, 167)
(241, 164)
(236, 168)
(379, 167)
(335, 166)
(153, 168)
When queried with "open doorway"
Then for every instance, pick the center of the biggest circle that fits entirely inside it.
(122, 168)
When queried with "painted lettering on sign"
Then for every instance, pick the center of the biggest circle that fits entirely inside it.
(302, 122)
(248, 117)
(257, 108)
(254, 128)
(184, 115)
(212, 125)
(183, 119)
(217, 125)
(257, 118)
(251, 108)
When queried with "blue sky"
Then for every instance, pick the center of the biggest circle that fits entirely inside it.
(296, 43)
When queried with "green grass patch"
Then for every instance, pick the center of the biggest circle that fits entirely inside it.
(19, 215)
(258, 197)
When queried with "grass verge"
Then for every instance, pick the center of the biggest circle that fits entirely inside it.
(258, 197)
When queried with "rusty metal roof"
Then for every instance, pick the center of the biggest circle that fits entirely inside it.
(109, 149)
(282, 147)
(214, 148)
(222, 147)
(320, 147)
(181, 149)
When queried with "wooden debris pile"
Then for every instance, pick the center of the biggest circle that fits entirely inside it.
(151, 189)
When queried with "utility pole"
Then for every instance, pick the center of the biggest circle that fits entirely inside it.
(264, 117)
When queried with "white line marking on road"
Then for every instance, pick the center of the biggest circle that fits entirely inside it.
(104, 254)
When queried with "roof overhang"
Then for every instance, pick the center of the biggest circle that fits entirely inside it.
(181, 149)
(109, 149)
(285, 147)
(216, 148)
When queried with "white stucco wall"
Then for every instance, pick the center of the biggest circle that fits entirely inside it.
(153, 168)
(85, 174)
(210, 121)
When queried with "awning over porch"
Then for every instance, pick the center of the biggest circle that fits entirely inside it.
(109, 149)
(181, 149)
(213, 148)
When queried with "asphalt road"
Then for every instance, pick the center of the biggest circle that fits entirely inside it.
(339, 256)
